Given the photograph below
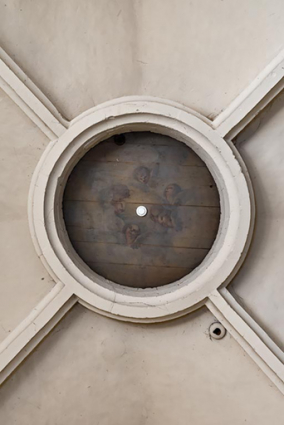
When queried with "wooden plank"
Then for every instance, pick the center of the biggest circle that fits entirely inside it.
(183, 226)
(147, 255)
(139, 276)
(179, 185)
(149, 146)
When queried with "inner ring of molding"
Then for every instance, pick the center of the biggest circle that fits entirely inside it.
(63, 263)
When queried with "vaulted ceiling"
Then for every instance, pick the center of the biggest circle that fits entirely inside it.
(224, 62)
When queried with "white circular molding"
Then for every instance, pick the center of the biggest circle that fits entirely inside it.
(51, 240)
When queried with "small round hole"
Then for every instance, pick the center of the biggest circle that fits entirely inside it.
(217, 330)
(119, 139)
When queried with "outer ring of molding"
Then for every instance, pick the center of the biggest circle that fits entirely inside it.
(51, 240)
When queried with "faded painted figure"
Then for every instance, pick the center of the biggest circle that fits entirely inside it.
(171, 181)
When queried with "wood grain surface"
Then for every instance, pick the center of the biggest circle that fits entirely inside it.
(160, 173)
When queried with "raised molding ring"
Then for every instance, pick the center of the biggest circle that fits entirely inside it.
(62, 262)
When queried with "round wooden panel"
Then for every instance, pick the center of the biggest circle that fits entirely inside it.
(148, 170)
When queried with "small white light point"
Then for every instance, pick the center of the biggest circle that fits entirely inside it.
(141, 211)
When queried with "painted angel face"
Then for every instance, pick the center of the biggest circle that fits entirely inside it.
(171, 191)
(155, 212)
(165, 220)
(131, 233)
(119, 207)
(142, 174)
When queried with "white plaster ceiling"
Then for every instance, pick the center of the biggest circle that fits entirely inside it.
(93, 370)
(24, 280)
(259, 284)
(201, 53)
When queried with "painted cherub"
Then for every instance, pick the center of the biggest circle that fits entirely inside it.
(131, 232)
(142, 174)
(162, 216)
(172, 194)
(114, 196)
(145, 178)
(165, 217)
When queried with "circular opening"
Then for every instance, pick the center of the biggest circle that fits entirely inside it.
(119, 139)
(137, 170)
(217, 331)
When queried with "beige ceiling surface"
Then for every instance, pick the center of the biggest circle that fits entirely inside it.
(23, 279)
(202, 53)
(259, 284)
(94, 370)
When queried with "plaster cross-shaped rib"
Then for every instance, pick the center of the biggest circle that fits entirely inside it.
(55, 305)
